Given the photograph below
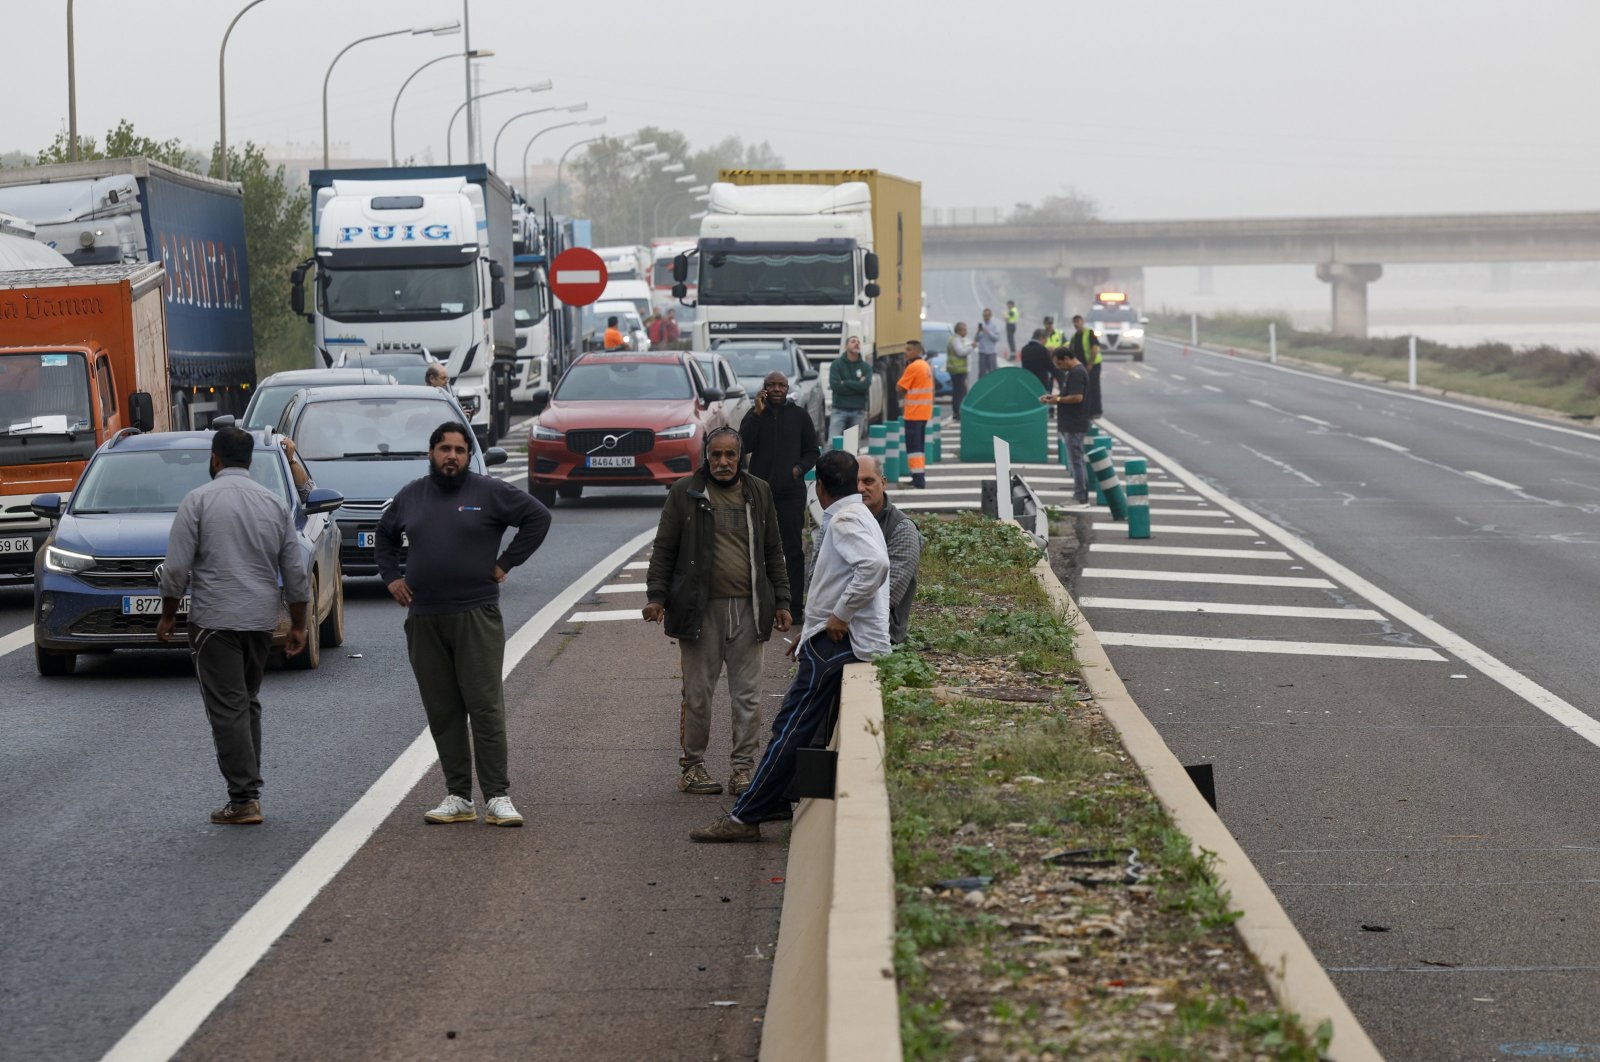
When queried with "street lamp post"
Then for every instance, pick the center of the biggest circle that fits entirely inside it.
(444, 30)
(450, 130)
(655, 213)
(72, 90)
(560, 165)
(222, 87)
(478, 53)
(572, 108)
(601, 120)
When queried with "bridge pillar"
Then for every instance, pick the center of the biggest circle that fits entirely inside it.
(1078, 290)
(1349, 280)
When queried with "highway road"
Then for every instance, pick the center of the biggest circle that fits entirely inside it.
(114, 883)
(1373, 615)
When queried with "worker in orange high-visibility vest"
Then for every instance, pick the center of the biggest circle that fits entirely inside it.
(916, 393)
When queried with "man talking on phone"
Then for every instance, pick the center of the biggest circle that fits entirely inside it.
(782, 445)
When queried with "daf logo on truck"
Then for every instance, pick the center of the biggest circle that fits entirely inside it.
(385, 233)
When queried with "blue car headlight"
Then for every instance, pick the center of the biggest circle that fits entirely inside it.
(65, 561)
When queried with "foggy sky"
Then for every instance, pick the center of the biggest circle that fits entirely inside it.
(1176, 108)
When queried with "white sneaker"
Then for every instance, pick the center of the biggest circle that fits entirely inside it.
(453, 809)
(499, 811)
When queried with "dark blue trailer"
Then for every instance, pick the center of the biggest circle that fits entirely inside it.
(125, 211)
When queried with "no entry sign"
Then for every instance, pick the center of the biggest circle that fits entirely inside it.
(577, 276)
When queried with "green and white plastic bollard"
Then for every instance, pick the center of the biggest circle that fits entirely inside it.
(1102, 442)
(933, 446)
(894, 451)
(1137, 472)
(1106, 477)
(876, 436)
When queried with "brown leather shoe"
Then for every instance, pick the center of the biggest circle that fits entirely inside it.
(726, 831)
(232, 814)
(740, 781)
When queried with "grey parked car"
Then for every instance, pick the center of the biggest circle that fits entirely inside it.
(753, 359)
(738, 397)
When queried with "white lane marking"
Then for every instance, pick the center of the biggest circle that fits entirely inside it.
(1208, 387)
(1190, 551)
(636, 566)
(1315, 420)
(601, 617)
(1293, 471)
(1255, 645)
(1585, 726)
(1525, 421)
(1206, 577)
(1179, 529)
(621, 588)
(1101, 510)
(1491, 481)
(1145, 604)
(1265, 405)
(16, 640)
(511, 477)
(1175, 376)
(1386, 444)
(166, 1026)
(933, 504)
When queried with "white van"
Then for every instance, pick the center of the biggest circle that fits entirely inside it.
(636, 292)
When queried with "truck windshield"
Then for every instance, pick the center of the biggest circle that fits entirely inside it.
(43, 394)
(731, 279)
(413, 293)
(155, 481)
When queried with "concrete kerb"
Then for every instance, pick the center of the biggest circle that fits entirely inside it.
(1298, 981)
(833, 995)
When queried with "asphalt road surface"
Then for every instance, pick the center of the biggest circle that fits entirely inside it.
(113, 882)
(1373, 616)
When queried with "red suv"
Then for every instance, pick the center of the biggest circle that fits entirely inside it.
(621, 419)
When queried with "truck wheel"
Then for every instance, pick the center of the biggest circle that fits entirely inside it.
(53, 664)
(545, 496)
(570, 490)
(330, 632)
(310, 658)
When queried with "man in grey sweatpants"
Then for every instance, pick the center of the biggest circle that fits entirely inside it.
(439, 554)
(719, 580)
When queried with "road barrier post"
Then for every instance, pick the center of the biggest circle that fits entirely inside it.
(1102, 442)
(1272, 341)
(894, 447)
(876, 436)
(1137, 471)
(1194, 329)
(1109, 486)
(1413, 360)
(934, 445)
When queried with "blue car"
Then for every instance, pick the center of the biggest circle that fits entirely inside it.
(935, 340)
(95, 587)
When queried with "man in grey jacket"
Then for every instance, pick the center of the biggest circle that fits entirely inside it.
(719, 581)
(233, 539)
(988, 340)
(900, 537)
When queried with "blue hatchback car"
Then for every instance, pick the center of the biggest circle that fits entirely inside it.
(95, 583)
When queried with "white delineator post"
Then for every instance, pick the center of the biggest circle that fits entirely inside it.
(1412, 376)
(1272, 341)
(1194, 330)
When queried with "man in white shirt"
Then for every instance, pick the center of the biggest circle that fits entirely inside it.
(847, 620)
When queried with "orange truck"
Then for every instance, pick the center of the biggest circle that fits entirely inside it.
(83, 355)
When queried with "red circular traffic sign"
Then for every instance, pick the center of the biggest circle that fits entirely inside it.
(577, 276)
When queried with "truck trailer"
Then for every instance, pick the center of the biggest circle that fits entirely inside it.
(130, 211)
(817, 256)
(83, 355)
(417, 258)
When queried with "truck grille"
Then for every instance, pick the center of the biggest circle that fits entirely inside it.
(627, 441)
(111, 623)
(136, 573)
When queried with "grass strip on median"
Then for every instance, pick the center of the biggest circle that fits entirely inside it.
(1045, 904)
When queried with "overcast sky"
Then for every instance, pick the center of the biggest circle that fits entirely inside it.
(1163, 108)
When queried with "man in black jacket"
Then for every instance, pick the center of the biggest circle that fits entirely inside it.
(717, 579)
(782, 444)
(1036, 359)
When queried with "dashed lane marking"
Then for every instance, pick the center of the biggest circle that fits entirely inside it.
(621, 588)
(635, 566)
(1315, 420)
(602, 617)
(1255, 645)
(1179, 529)
(1145, 604)
(1386, 444)
(1491, 481)
(1208, 387)
(1187, 551)
(1224, 579)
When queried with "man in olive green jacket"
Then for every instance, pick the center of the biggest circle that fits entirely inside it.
(719, 583)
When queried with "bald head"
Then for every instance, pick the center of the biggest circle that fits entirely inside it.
(869, 480)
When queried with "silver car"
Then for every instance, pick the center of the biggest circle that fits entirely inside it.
(719, 373)
(753, 359)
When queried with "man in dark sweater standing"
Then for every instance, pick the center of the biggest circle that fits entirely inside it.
(450, 523)
(782, 444)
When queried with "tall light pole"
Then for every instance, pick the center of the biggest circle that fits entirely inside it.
(655, 214)
(466, 66)
(574, 108)
(561, 191)
(394, 159)
(222, 87)
(601, 120)
(450, 130)
(444, 30)
(72, 90)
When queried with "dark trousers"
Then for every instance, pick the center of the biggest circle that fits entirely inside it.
(230, 665)
(806, 718)
(916, 458)
(1011, 338)
(1093, 397)
(791, 527)
(457, 659)
(958, 391)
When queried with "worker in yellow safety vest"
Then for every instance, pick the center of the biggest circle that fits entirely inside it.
(1013, 315)
(1085, 346)
(916, 392)
(1053, 336)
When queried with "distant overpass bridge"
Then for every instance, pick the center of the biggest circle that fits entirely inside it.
(1348, 253)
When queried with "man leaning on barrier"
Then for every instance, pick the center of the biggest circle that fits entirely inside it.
(900, 537)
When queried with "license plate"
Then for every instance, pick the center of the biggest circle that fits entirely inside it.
(610, 462)
(149, 605)
(369, 540)
(16, 545)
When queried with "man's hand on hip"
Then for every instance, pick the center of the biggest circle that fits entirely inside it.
(499, 574)
(400, 590)
(836, 628)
